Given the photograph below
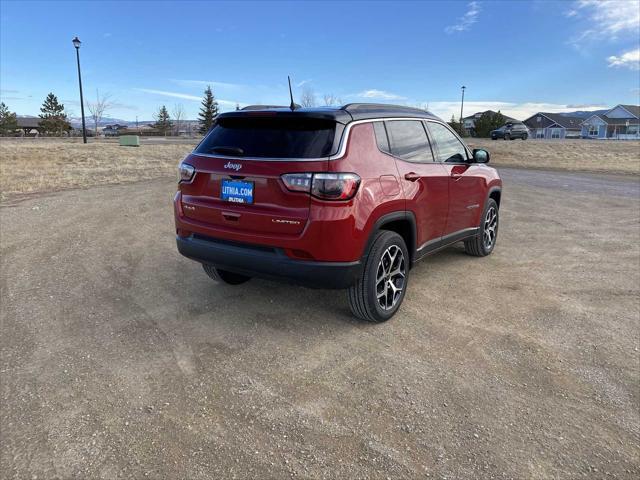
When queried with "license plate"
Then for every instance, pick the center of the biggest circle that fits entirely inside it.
(237, 191)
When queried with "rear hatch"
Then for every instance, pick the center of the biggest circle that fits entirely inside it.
(238, 165)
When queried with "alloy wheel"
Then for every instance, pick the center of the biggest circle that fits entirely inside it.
(490, 228)
(390, 277)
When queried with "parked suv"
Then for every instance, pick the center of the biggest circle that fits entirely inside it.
(347, 198)
(511, 131)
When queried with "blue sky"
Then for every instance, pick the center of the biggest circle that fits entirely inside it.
(520, 57)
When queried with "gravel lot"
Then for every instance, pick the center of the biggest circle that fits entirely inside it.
(120, 359)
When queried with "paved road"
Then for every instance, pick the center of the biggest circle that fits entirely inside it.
(121, 359)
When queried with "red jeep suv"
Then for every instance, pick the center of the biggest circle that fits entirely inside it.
(347, 197)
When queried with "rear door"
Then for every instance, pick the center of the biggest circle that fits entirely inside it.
(424, 182)
(238, 165)
(466, 183)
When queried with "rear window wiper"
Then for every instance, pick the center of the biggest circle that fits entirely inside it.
(233, 151)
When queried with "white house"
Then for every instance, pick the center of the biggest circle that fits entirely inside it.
(622, 122)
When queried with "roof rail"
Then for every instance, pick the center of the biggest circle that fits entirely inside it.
(380, 107)
(265, 107)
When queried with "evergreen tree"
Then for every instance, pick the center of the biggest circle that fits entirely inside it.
(208, 111)
(54, 120)
(163, 122)
(8, 120)
(487, 122)
(455, 125)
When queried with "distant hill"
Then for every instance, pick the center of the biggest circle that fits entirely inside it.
(76, 122)
(584, 113)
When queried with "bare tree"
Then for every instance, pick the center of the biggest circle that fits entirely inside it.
(178, 116)
(330, 99)
(98, 108)
(308, 98)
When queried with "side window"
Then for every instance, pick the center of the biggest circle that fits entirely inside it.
(408, 140)
(448, 147)
(381, 137)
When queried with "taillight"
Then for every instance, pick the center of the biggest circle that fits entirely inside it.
(297, 182)
(335, 186)
(185, 172)
(327, 186)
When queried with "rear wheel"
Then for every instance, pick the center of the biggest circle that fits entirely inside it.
(524, 136)
(378, 293)
(225, 276)
(485, 241)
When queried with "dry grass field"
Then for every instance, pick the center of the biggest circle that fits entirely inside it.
(568, 155)
(45, 165)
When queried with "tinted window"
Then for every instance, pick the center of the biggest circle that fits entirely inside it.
(448, 147)
(408, 140)
(381, 136)
(270, 137)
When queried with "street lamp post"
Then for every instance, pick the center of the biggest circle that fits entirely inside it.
(461, 109)
(76, 43)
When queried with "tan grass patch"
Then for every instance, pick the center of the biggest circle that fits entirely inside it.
(41, 165)
(570, 155)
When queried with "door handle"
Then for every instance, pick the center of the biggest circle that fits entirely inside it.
(412, 176)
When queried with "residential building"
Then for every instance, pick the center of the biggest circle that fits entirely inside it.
(113, 130)
(29, 125)
(622, 122)
(553, 125)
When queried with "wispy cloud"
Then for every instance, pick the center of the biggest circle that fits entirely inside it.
(107, 35)
(467, 20)
(605, 19)
(205, 83)
(185, 96)
(164, 93)
(381, 94)
(630, 59)
(303, 82)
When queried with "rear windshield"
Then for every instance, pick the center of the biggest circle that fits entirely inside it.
(270, 138)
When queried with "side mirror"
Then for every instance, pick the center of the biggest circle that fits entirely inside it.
(480, 155)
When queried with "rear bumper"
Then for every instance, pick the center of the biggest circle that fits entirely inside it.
(268, 262)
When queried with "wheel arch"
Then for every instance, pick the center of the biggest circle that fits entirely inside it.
(401, 222)
(496, 194)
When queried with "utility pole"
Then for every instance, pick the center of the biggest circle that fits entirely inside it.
(461, 110)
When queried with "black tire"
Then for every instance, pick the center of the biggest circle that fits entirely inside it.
(225, 276)
(478, 245)
(363, 295)
(494, 138)
(524, 136)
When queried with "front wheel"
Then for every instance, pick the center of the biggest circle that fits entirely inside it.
(224, 276)
(378, 293)
(485, 241)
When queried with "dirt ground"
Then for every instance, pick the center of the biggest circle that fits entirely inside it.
(606, 156)
(120, 359)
